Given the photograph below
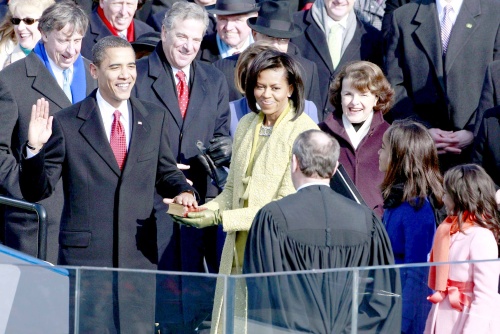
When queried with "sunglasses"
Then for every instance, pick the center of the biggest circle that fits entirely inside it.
(28, 21)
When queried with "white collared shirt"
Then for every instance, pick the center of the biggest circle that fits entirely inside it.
(107, 114)
(186, 72)
(456, 4)
(316, 183)
(58, 72)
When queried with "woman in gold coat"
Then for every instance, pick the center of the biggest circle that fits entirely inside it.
(260, 165)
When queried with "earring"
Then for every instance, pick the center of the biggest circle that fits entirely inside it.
(289, 95)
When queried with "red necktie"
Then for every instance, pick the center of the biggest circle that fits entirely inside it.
(182, 92)
(118, 141)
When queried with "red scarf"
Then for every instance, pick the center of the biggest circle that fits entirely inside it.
(130, 30)
(438, 275)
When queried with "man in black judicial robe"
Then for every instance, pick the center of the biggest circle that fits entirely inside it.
(317, 228)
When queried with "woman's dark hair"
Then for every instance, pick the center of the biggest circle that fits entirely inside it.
(472, 191)
(274, 59)
(364, 76)
(413, 163)
(246, 58)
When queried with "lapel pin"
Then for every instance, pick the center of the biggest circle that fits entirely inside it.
(139, 122)
(469, 25)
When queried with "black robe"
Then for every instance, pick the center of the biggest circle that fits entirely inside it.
(317, 228)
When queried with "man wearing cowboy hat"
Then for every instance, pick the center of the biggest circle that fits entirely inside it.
(274, 24)
(233, 34)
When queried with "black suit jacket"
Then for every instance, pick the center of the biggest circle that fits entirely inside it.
(308, 69)
(486, 144)
(443, 93)
(21, 84)
(106, 219)
(209, 51)
(317, 228)
(366, 44)
(207, 115)
(97, 29)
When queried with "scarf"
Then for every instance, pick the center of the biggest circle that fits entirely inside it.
(227, 51)
(438, 275)
(130, 30)
(79, 83)
(357, 136)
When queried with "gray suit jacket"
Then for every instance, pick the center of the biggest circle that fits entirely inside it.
(441, 92)
(21, 84)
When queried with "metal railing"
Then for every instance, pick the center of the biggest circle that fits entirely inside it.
(42, 221)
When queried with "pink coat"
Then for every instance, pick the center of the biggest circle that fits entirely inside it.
(481, 316)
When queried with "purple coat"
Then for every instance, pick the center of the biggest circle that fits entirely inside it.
(362, 163)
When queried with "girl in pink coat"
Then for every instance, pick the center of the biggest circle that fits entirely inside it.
(466, 298)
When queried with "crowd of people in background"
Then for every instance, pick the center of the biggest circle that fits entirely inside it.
(242, 111)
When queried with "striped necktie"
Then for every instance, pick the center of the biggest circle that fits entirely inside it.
(446, 26)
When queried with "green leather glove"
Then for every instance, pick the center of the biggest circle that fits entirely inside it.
(200, 219)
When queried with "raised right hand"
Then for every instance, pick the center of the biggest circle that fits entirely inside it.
(40, 127)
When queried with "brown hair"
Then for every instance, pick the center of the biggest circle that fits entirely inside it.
(273, 59)
(413, 162)
(365, 76)
(472, 190)
(246, 58)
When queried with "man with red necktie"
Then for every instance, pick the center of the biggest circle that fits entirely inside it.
(195, 96)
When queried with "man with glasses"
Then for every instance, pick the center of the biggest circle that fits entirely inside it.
(56, 71)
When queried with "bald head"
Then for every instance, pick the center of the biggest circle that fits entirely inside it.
(317, 154)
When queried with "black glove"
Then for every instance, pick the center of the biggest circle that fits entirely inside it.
(220, 150)
(217, 174)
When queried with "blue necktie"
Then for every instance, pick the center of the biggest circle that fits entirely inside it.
(67, 85)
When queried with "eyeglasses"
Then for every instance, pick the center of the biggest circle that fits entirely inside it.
(277, 40)
(27, 20)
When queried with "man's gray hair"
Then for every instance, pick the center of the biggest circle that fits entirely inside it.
(183, 10)
(57, 16)
(108, 42)
(317, 153)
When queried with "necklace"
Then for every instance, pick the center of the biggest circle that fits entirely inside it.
(265, 131)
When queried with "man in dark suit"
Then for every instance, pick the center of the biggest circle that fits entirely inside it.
(112, 152)
(437, 73)
(274, 24)
(233, 34)
(113, 18)
(317, 228)
(40, 74)
(333, 36)
(205, 118)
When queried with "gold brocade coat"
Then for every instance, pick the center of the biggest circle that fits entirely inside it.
(270, 180)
